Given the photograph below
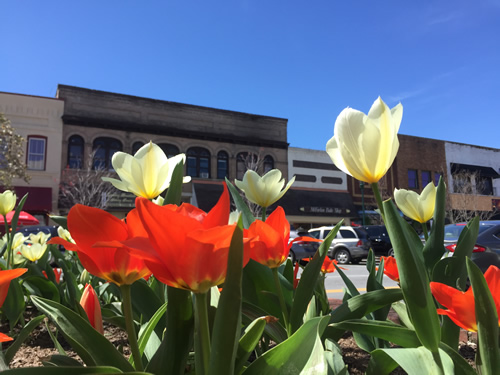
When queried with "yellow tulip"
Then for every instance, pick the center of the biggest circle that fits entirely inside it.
(33, 251)
(146, 174)
(264, 190)
(364, 146)
(7, 202)
(419, 207)
(64, 234)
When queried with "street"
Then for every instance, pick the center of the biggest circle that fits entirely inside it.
(358, 274)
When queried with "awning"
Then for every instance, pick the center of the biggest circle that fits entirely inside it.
(482, 171)
(39, 198)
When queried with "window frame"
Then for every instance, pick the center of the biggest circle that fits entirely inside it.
(222, 156)
(198, 154)
(69, 159)
(416, 179)
(429, 178)
(28, 153)
(108, 141)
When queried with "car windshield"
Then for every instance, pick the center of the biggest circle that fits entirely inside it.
(452, 232)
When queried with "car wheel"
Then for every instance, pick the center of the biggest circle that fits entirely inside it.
(390, 253)
(342, 256)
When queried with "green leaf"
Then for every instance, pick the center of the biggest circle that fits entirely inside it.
(92, 347)
(174, 192)
(60, 220)
(15, 217)
(487, 322)
(146, 303)
(57, 345)
(69, 370)
(302, 353)
(173, 352)
(414, 281)
(227, 325)
(333, 356)
(386, 330)
(248, 341)
(273, 329)
(400, 309)
(40, 286)
(353, 291)
(13, 306)
(148, 328)
(57, 360)
(359, 306)
(415, 361)
(308, 279)
(434, 249)
(21, 337)
(241, 206)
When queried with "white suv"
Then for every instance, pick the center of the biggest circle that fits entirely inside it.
(350, 245)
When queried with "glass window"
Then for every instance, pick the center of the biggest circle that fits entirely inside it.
(484, 185)
(222, 165)
(198, 162)
(75, 152)
(426, 178)
(104, 148)
(136, 146)
(245, 161)
(169, 150)
(37, 147)
(268, 163)
(412, 179)
(345, 233)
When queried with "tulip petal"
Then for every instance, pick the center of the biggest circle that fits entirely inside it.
(6, 277)
(219, 214)
(460, 305)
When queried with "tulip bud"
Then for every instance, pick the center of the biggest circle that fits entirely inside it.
(84, 277)
(7, 202)
(419, 207)
(90, 303)
(64, 234)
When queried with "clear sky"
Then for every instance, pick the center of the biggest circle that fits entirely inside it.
(300, 60)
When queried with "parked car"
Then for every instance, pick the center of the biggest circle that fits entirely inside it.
(301, 249)
(381, 243)
(350, 244)
(486, 251)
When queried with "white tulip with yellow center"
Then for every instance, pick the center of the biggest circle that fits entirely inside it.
(64, 234)
(364, 146)
(419, 207)
(146, 174)
(40, 238)
(33, 251)
(264, 190)
(7, 202)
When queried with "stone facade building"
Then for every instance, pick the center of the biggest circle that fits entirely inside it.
(217, 143)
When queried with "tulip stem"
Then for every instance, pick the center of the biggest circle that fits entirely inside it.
(202, 332)
(129, 323)
(10, 238)
(424, 230)
(279, 292)
(263, 216)
(378, 198)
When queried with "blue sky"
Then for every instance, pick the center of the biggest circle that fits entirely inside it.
(300, 60)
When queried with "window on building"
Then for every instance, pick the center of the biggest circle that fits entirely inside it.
(412, 179)
(245, 161)
(76, 146)
(104, 148)
(426, 178)
(169, 149)
(136, 146)
(268, 163)
(37, 148)
(437, 176)
(222, 165)
(198, 162)
(462, 184)
(484, 185)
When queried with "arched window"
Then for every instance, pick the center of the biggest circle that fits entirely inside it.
(222, 165)
(104, 148)
(76, 145)
(245, 161)
(198, 162)
(168, 149)
(136, 146)
(268, 163)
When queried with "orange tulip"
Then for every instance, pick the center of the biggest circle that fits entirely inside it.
(57, 274)
(187, 248)
(461, 305)
(5, 278)
(391, 268)
(271, 246)
(89, 226)
(91, 305)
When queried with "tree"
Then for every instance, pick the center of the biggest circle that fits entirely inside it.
(85, 186)
(12, 164)
(467, 186)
